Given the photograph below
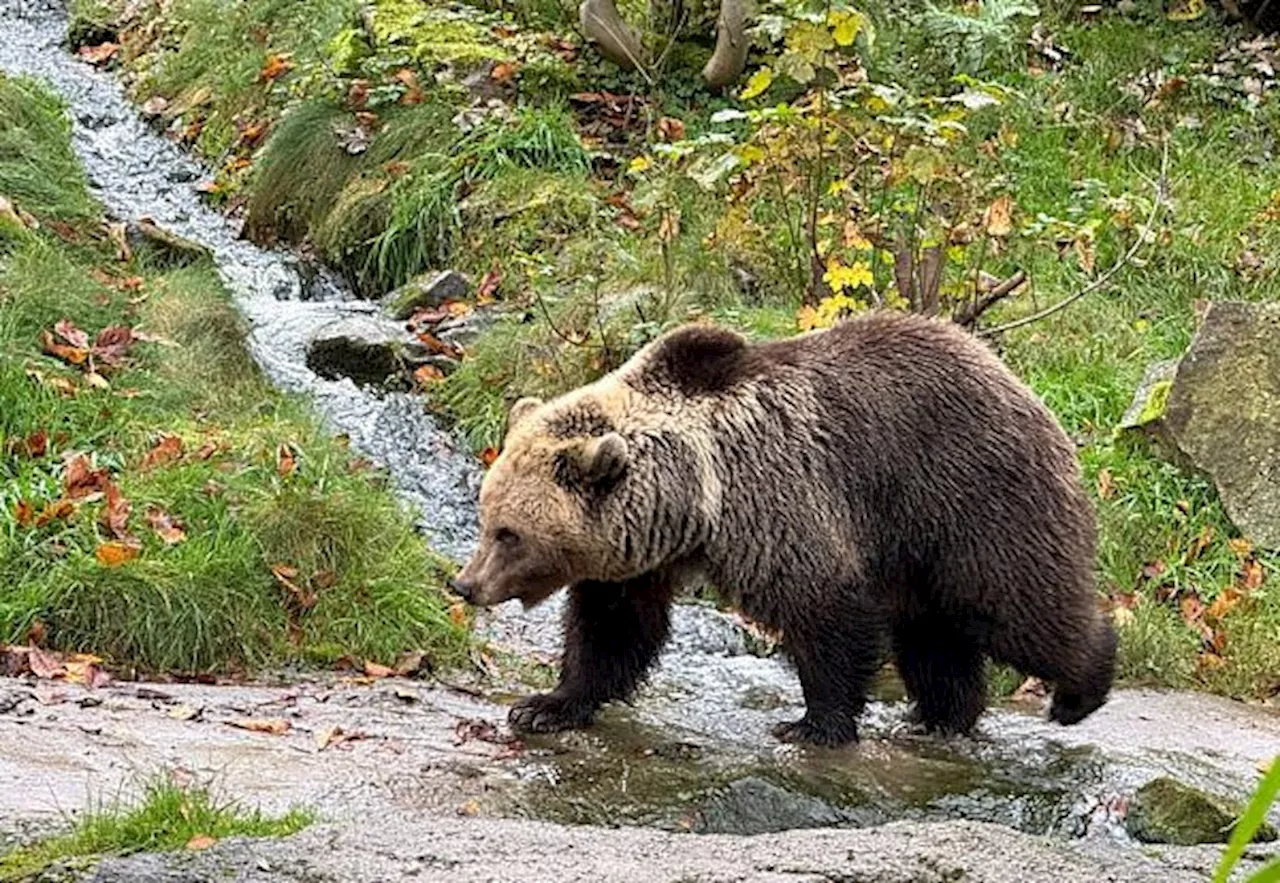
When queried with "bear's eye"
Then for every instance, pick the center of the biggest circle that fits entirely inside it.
(506, 537)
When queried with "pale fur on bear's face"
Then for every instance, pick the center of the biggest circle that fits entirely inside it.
(537, 530)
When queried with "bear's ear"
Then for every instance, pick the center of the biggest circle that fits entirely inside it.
(520, 410)
(594, 463)
(699, 359)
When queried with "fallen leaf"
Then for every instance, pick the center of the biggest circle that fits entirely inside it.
(81, 481)
(116, 553)
(83, 668)
(481, 730)
(1030, 691)
(1252, 575)
(184, 712)
(287, 577)
(116, 513)
(1199, 544)
(469, 808)
(411, 662)
(998, 218)
(328, 736)
(44, 664)
(1191, 609)
(669, 226)
(1224, 603)
(374, 670)
(286, 464)
(438, 346)
(458, 613)
(273, 725)
(426, 375)
(67, 330)
(503, 73)
(671, 129)
(200, 841)
(487, 456)
(413, 91)
(166, 526)
(166, 450)
(23, 513)
(100, 54)
(275, 67)
(58, 509)
(118, 233)
(72, 355)
(488, 291)
(1106, 484)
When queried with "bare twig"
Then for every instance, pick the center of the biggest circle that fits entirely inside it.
(1158, 203)
(975, 308)
(546, 314)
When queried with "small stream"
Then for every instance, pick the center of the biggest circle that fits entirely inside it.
(693, 752)
(136, 173)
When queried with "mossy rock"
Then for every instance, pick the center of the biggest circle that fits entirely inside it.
(1166, 811)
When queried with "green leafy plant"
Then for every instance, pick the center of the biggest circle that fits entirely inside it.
(973, 39)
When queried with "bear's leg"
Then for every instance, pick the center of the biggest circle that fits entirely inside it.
(943, 671)
(612, 634)
(836, 657)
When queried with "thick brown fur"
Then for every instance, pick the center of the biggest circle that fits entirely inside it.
(887, 487)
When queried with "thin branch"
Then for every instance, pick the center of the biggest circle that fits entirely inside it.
(1159, 203)
(972, 310)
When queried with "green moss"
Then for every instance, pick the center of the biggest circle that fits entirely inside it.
(1167, 811)
(1153, 408)
(432, 35)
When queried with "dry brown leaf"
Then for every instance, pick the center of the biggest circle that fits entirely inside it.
(1241, 547)
(458, 613)
(115, 515)
(438, 346)
(116, 553)
(287, 577)
(1224, 603)
(81, 481)
(1106, 484)
(426, 375)
(23, 513)
(58, 509)
(166, 526)
(67, 330)
(374, 670)
(167, 449)
(1252, 575)
(272, 725)
(183, 712)
(1200, 543)
(469, 808)
(669, 226)
(70, 354)
(413, 93)
(100, 54)
(487, 456)
(200, 842)
(44, 664)
(503, 73)
(998, 218)
(487, 293)
(671, 129)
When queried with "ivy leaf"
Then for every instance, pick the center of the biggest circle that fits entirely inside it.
(758, 83)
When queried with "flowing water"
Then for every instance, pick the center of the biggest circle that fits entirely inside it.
(693, 752)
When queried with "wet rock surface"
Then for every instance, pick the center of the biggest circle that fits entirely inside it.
(1166, 811)
(367, 349)
(1223, 412)
(430, 291)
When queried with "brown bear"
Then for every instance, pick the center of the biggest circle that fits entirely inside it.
(886, 486)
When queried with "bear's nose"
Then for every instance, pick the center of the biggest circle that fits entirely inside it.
(463, 588)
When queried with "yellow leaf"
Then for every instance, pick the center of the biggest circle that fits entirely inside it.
(1186, 10)
(757, 84)
(840, 277)
(749, 154)
(845, 26)
(639, 164)
(807, 318)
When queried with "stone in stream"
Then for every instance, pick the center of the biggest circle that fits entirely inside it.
(364, 348)
(757, 806)
(174, 250)
(1218, 412)
(1166, 811)
(427, 291)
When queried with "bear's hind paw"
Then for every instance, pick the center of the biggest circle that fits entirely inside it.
(549, 713)
(829, 732)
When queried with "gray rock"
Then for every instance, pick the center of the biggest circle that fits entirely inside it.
(1150, 398)
(176, 250)
(1223, 412)
(1166, 811)
(366, 349)
(427, 291)
(757, 806)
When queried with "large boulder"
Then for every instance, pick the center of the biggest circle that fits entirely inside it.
(425, 291)
(366, 349)
(1222, 413)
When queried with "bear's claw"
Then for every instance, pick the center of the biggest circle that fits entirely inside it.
(549, 713)
(830, 732)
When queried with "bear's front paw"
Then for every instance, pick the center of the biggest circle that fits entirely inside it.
(549, 713)
(828, 732)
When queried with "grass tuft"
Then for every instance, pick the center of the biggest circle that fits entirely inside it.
(167, 817)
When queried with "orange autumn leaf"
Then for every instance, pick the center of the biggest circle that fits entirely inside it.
(1252, 575)
(81, 481)
(1241, 547)
(115, 553)
(1224, 604)
(426, 375)
(286, 463)
(503, 73)
(199, 842)
(487, 456)
(374, 670)
(23, 513)
(458, 613)
(168, 449)
(72, 355)
(56, 510)
(275, 67)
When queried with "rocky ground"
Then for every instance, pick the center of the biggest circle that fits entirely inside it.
(422, 780)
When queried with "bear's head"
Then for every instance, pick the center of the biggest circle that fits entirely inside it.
(548, 509)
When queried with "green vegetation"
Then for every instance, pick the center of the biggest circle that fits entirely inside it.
(1251, 820)
(604, 208)
(168, 817)
(160, 504)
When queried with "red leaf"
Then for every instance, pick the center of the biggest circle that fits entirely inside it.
(488, 290)
(166, 450)
(487, 456)
(116, 514)
(112, 344)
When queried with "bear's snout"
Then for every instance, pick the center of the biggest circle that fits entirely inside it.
(463, 588)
